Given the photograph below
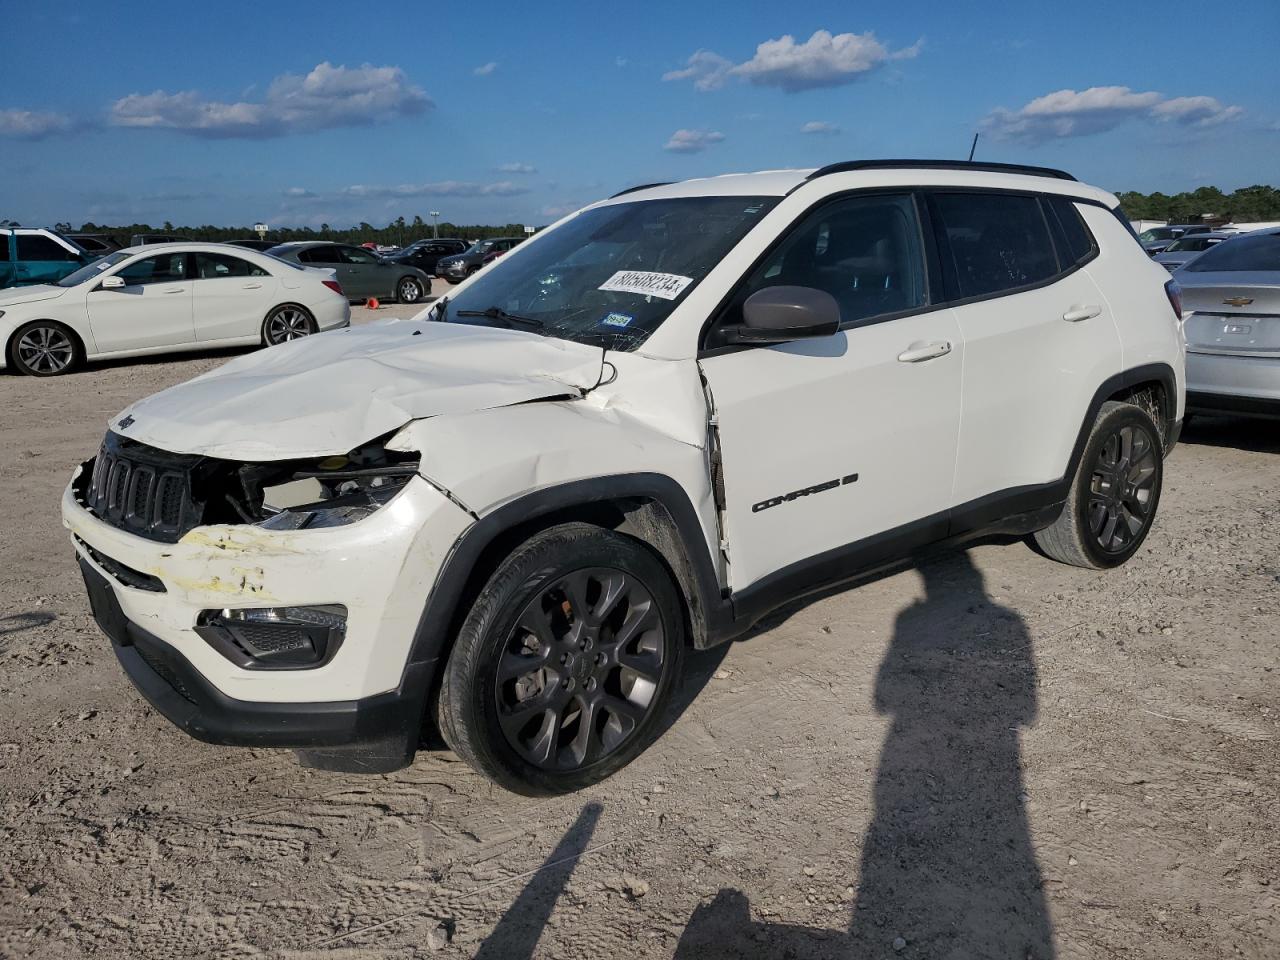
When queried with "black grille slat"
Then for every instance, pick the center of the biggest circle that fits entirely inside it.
(142, 489)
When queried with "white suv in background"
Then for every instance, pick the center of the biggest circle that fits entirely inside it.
(646, 427)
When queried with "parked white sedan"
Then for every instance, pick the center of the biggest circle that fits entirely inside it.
(165, 297)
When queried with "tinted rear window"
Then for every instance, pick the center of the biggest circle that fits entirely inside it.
(991, 242)
(1239, 254)
(1070, 235)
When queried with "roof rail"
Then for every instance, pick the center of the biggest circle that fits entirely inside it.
(643, 186)
(849, 165)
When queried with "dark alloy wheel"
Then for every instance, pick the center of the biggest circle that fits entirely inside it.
(409, 290)
(1122, 488)
(561, 672)
(287, 322)
(1114, 493)
(44, 349)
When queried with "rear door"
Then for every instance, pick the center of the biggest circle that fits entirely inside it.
(42, 259)
(330, 256)
(1038, 335)
(232, 296)
(153, 309)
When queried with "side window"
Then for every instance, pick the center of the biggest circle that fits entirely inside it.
(34, 246)
(1070, 235)
(991, 242)
(321, 255)
(212, 266)
(356, 255)
(865, 251)
(4, 248)
(166, 268)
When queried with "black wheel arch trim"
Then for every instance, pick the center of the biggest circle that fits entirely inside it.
(433, 635)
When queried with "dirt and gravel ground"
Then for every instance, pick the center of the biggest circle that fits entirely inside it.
(993, 755)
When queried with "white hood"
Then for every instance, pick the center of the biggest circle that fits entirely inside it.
(37, 291)
(329, 393)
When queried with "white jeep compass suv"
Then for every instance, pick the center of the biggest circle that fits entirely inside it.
(644, 428)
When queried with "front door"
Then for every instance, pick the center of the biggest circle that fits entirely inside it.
(370, 277)
(829, 443)
(153, 309)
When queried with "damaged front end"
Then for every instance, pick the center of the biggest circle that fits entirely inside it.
(162, 496)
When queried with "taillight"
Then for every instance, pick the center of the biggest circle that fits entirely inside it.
(1174, 292)
(333, 285)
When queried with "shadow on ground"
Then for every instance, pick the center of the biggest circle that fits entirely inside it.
(17, 622)
(947, 865)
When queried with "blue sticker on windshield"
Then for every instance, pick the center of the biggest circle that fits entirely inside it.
(617, 320)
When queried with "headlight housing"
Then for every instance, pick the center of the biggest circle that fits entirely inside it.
(335, 491)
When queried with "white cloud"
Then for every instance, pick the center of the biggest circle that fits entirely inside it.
(516, 168)
(822, 127)
(824, 60)
(707, 70)
(298, 192)
(1196, 111)
(1071, 113)
(485, 69)
(692, 141)
(620, 61)
(557, 210)
(326, 97)
(33, 124)
(442, 188)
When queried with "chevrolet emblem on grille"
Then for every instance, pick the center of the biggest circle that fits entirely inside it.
(126, 422)
(1238, 301)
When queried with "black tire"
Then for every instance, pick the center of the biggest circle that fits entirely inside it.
(514, 697)
(453, 282)
(44, 348)
(409, 289)
(1114, 494)
(288, 321)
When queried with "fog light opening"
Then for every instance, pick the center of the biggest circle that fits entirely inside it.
(275, 638)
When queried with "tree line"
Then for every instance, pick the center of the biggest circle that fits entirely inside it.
(1246, 205)
(399, 232)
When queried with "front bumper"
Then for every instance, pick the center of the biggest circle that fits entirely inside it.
(376, 734)
(148, 596)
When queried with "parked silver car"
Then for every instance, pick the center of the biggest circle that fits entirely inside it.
(1231, 310)
(1186, 248)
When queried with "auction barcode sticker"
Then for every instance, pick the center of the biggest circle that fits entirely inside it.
(668, 286)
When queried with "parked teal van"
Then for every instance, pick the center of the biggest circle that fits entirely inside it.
(30, 255)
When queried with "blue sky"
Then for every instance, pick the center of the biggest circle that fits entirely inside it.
(300, 114)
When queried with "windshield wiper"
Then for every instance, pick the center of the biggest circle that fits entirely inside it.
(507, 319)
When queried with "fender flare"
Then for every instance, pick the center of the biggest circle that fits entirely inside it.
(700, 586)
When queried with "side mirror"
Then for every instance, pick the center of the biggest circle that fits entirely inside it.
(783, 314)
(112, 283)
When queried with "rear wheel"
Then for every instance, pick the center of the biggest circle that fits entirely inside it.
(44, 348)
(562, 670)
(1114, 494)
(409, 290)
(287, 322)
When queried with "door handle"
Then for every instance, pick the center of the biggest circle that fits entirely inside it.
(1082, 312)
(252, 286)
(919, 351)
(175, 290)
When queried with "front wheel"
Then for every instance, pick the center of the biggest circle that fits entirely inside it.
(561, 672)
(1114, 494)
(44, 348)
(409, 290)
(287, 322)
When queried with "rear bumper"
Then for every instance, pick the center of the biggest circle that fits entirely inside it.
(1228, 383)
(375, 734)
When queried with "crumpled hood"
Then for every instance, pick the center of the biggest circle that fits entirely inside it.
(37, 291)
(329, 393)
